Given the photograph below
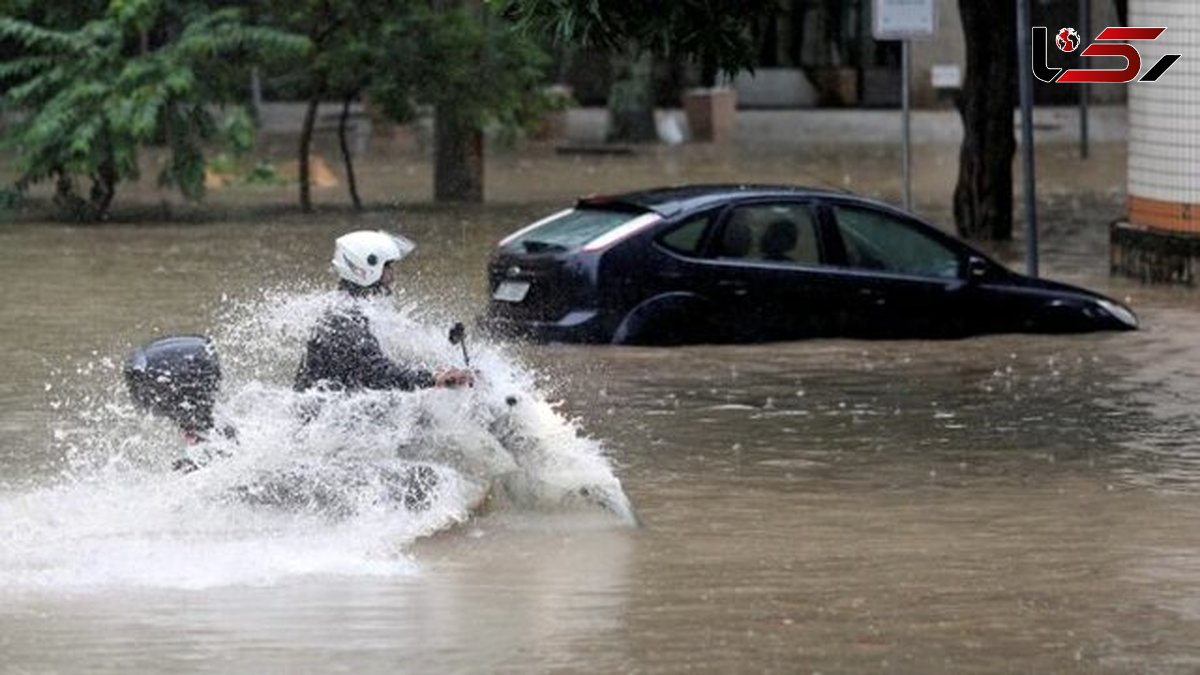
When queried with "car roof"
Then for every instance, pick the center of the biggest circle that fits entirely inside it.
(668, 201)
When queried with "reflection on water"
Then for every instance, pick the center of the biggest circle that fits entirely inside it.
(999, 503)
(978, 407)
(542, 591)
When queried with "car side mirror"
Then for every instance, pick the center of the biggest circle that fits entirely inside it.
(978, 269)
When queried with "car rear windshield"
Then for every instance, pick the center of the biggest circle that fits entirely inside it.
(570, 230)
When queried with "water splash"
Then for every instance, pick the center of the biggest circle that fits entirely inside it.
(313, 483)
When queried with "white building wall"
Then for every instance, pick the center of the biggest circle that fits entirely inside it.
(1164, 116)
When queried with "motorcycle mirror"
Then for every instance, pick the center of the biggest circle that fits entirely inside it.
(458, 336)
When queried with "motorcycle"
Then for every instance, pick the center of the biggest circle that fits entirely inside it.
(508, 461)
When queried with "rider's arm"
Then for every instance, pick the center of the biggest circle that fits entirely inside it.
(360, 360)
(384, 373)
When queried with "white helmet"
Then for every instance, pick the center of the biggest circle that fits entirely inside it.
(359, 257)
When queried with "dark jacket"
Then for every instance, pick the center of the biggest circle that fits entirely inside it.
(343, 354)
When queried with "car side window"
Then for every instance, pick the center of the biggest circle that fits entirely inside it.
(778, 233)
(877, 241)
(688, 236)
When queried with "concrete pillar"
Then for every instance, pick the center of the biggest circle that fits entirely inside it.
(1160, 239)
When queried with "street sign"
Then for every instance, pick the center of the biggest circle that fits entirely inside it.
(945, 76)
(904, 19)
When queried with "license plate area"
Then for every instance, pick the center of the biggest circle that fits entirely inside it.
(511, 291)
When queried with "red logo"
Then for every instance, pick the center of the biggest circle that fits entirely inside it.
(1112, 41)
(1067, 40)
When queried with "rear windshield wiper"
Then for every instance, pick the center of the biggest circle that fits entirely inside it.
(541, 246)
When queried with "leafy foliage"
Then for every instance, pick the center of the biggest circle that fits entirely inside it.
(9, 198)
(146, 72)
(344, 36)
(346, 54)
(718, 35)
(407, 57)
(481, 70)
(93, 83)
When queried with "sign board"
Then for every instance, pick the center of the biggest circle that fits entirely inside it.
(946, 76)
(904, 19)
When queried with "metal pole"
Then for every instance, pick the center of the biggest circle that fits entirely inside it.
(1085, 30)
(1025, 78)
(256, 98)
(906, 65)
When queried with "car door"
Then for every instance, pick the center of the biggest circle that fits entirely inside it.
(898, 277)
(762, 269)
(1002, 301)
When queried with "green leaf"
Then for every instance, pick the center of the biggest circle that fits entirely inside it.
(145, 72)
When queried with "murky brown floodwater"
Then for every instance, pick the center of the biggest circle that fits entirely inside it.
(1009, 503)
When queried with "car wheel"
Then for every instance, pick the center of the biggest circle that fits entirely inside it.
(664, 324)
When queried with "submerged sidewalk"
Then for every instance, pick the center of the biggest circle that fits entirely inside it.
(802, 126)
(825, 126)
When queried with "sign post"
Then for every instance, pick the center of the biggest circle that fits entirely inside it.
(905, 20)
(1025, 77)
(1085, 26)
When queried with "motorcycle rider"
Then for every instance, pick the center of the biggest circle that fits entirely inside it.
(343, 352)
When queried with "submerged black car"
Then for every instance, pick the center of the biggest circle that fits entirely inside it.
(759, 263)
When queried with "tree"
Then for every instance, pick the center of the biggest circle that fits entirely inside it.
(475, 70)
(631, 99)
(146, 72)
(464, 63)
(983, 197)
(346, 38)
(717, 35)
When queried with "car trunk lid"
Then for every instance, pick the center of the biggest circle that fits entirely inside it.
(535, 286)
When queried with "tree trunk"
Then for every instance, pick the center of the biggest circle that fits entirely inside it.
(798, 16)
(631, 101)
(256, 97)
(351, 184)
(458, 144)
(306, 132)
(104, 185)
(104, 188)
(983, 197)
(68, 201)
(458, 159)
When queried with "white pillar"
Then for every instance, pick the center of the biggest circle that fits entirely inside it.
(1164, 121)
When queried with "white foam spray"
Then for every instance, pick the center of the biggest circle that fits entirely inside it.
(313, 483)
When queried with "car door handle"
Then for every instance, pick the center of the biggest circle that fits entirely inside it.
(738, 287)
(873, 296)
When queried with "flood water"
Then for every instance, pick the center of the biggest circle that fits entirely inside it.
(1007, 503)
